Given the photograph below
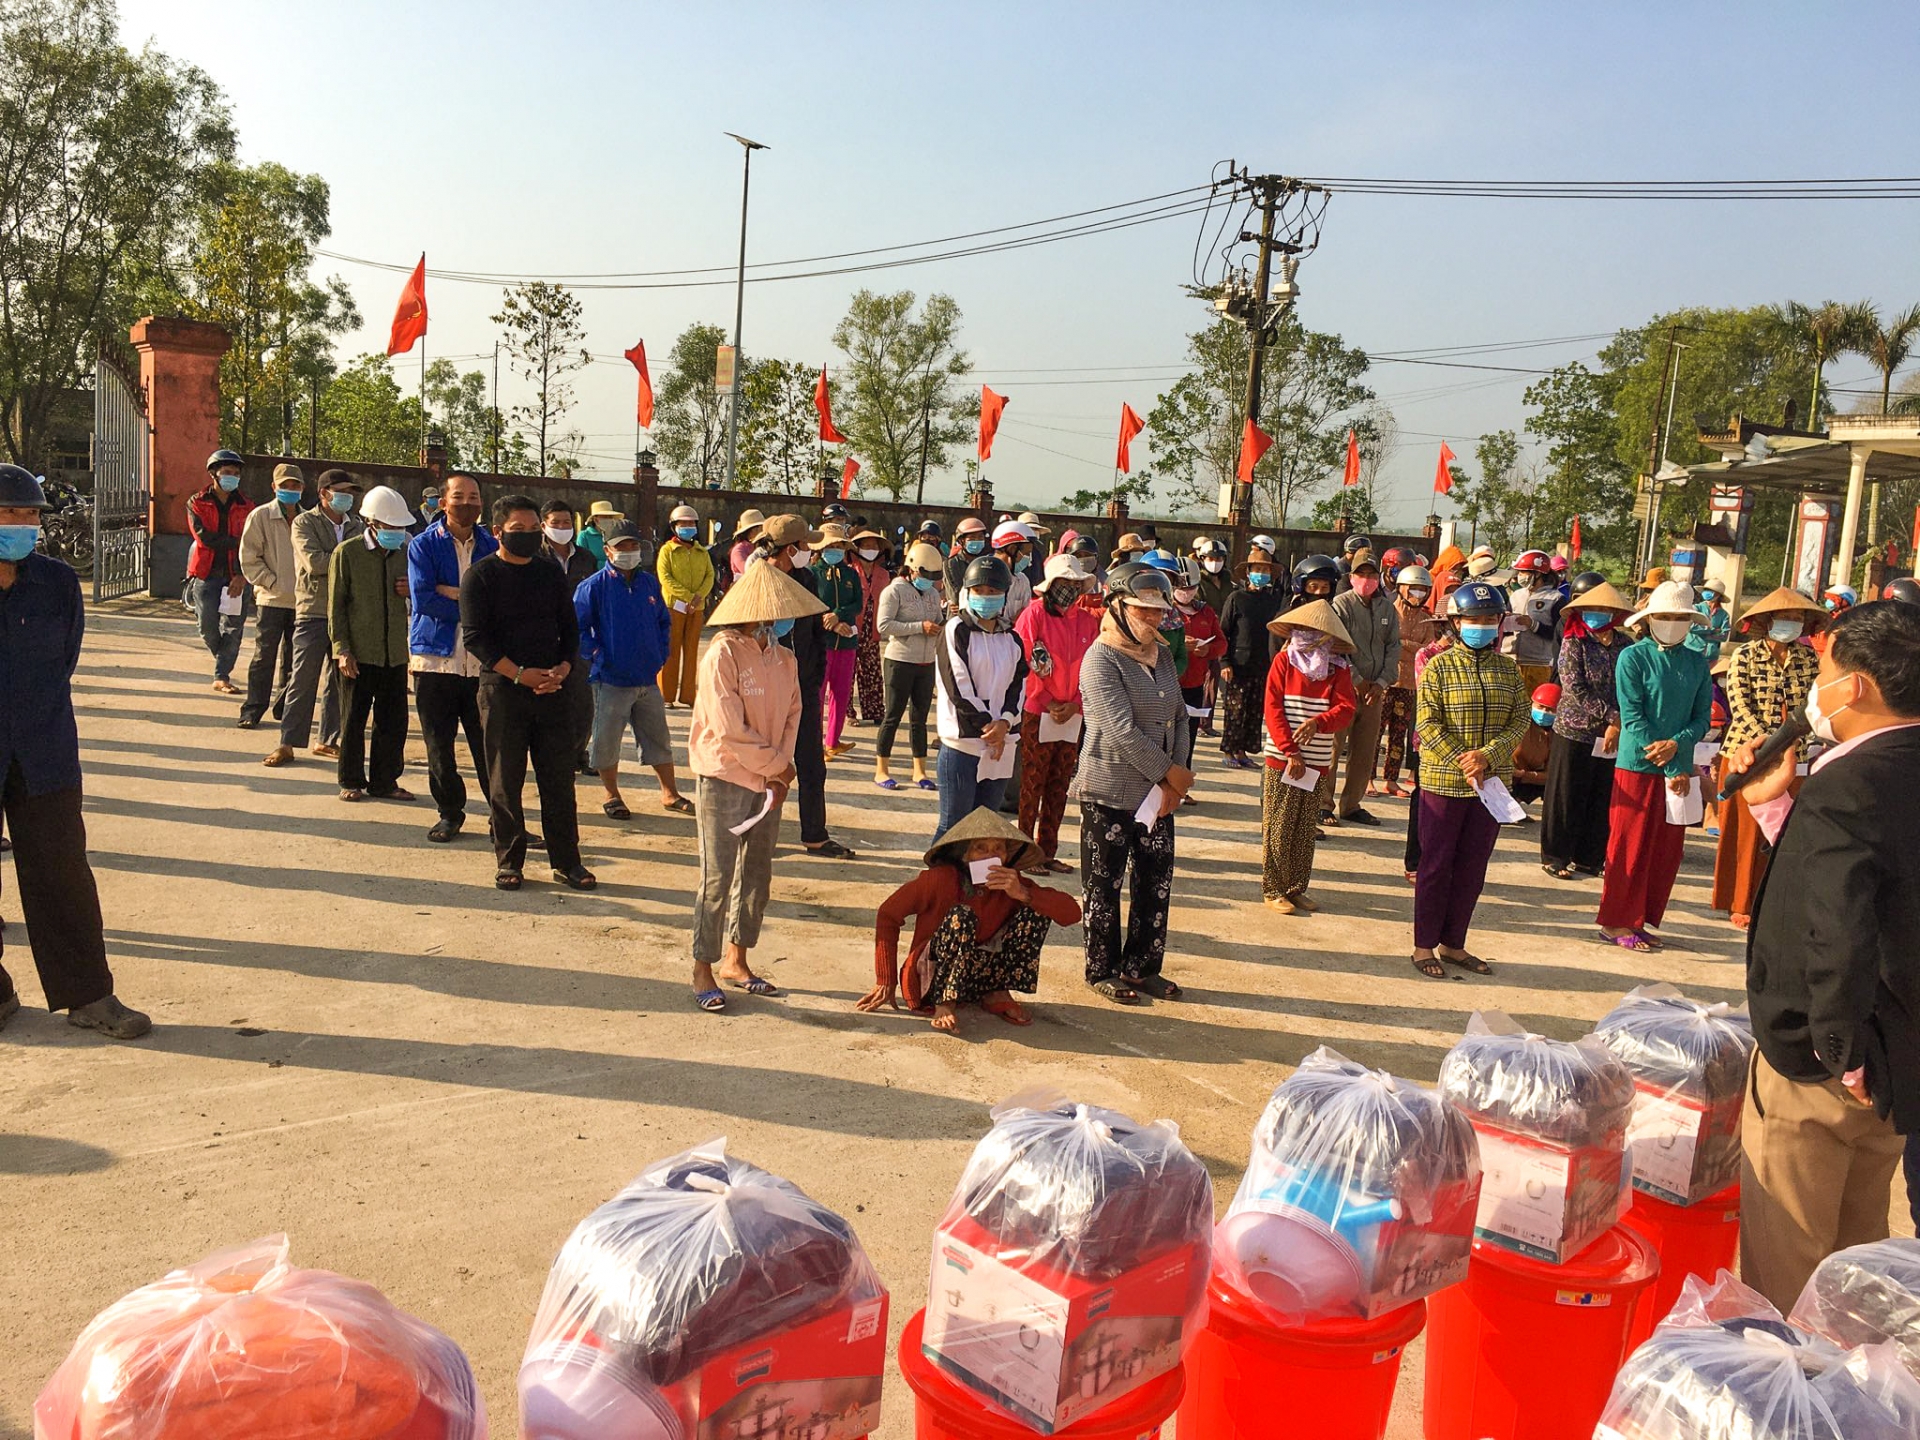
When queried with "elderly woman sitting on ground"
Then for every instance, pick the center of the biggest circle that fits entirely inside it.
(978, 925)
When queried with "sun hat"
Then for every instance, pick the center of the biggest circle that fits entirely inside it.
(602, 507)
(1256, 555)
(1671, 600)
(765, 593)
(923, 556)
(1655, 577)
(781, 531)
(1060, 567)
(1481, 563)
(833, 534)
(985, 824)
(684, 512)
(1314, 615)
(384, 505)
(1033, 523)
(749, 520)
(1783, 601)
(1600, 597)
(1130, 544)
(872, 535)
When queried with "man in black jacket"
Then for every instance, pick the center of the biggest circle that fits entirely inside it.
(1833, 977)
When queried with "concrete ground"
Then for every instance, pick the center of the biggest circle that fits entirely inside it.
(426, 1082)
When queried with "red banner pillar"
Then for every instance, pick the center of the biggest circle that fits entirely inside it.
(180, 371)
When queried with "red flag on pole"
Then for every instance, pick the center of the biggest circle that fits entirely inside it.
(410, 317)
(823, 404)
(990, 407)
(1442, 477)
(1130, 425)
(1254, 442)
(847, 472)
(1573, 546)
(638, 355)
(1352, 477)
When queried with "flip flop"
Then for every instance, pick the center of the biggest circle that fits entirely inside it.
(888, 784)
(1472, 964)
(394, 794)
(1158, 986)
(1632, 940)
(1430, 967)
(757, 986)
(712, 1001)
(615, 810)
(926, 785)
(1010, 1011)
(353, 796)
(680, 806)
(1653, 941)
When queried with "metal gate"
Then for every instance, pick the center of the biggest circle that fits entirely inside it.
(119, 483)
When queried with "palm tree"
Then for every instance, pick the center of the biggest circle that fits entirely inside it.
(1833, 328)
(1890, 346)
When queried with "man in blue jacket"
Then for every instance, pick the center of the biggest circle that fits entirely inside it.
(446, 679)
(41, 623)
(624, 628)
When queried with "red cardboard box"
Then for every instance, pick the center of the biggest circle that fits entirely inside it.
(1546, 1201)
(1049, 1347)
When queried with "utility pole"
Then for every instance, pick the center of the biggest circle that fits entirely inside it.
(1265, 307)
(1650, 521)
(926, 437)
(739, 308)
(496, 408)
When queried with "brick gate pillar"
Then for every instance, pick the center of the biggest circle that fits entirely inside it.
(180, 371)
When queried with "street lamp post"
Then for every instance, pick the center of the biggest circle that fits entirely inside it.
(739, 307)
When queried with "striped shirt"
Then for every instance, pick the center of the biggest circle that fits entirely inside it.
(1292, 700)
(1762, 690)
(1468, 700)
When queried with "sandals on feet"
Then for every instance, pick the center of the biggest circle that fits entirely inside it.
(1558, 872)
(924, 783)
(756, 985)
(615, 810)
(1011, 1011)
(1473, 964)
(1430, 966)
(889, 783)
(711, 1001)
(394, 794)
(353, 796)
(1158, 986)
(578, 878)
(1117, 991)
(831, 850)
(679, 805)
(1632, 940)
(506, 880)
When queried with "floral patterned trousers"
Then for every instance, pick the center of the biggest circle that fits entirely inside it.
(1399, 715)
(1110, 842)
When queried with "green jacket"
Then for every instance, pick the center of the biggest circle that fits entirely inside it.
(839, 587)
(1664, 695)
(366, 617)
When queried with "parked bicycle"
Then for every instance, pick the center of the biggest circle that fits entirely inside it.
(66, 527)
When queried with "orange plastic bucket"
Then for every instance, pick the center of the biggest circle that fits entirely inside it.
(943, 1409)
(1528, 1351)
(1249, 1379)
(1697, 1239)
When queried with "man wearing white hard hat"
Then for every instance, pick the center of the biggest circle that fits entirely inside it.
(1666, 704)
(686, 580)
(367, 624)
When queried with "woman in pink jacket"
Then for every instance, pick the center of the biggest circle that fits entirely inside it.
(1056, 633)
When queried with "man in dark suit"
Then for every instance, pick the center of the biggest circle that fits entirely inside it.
(1833, 977)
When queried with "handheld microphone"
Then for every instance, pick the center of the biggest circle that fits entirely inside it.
(1792, 730)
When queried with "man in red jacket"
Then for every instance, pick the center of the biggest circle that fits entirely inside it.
(216, 589)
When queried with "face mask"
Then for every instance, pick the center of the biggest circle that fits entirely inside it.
(1214, 567)
(1185, 594)
(802, 558)
(558, 534)
(922, 584)
(1478, 636)
(465, 516)
(1596, 619)
(782, 628)
(522, 544)
(626, 559)
(1259, 579)
(832, 557)
(1786, 631)
(228, 483)
(985, 607)
(1020, 566)
(1669, 633)
(1543, 718)
(1365, 585)
(17, 542)
(429, 507)
(389, 539)
(1819, 718)
(287, 497)
(869, 555)
(339, 502)
(1417, 597)
(975, 547)
(687, 532)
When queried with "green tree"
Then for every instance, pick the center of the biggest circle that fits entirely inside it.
(1828, 329)
(543, 327)
(365, 417)
(103, 154)
(1888, 345)
(458, 407)
(690, 413)
(1497, 503)
(906, 405)
(1350, 503)
(1310, 381)
(1582, 473)
(779, 428)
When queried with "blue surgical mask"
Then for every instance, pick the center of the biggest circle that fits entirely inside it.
(975, 547)
(922, 584)
(227, 483)
(1020, 565)
(1479, 636)
(17, 541)
(687, 532)
(1786, 631)
(1543, 717)
(985, 607)
(429, 507)
(287, 497)
(1259, 579)
(781, 628)
(1596, 619)
(832, 557)
(339, 502)
(391, 539)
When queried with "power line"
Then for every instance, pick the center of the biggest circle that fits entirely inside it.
(1856, 188)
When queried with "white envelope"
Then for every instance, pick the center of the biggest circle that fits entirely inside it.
(232, 604)
(1687, 809)
(1601, 752)
(681, 606)
(1149, 812)
(1706, 752)
(1060, 732)
(754, 819)
(1308, 778)
(980, 869)
(1499, 801)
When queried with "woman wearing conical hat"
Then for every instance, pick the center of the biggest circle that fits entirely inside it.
(1309, 697)
(746, 716)
(1586, 731)
(978, 925)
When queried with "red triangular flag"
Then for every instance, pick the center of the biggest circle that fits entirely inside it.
(1254, 442)
(847, 472)
(1352, 477)
(1442, 477)
(990, 407)
(1130, 426)
(638, 355)
(410, 317)
(1573, 547)
(823, 403)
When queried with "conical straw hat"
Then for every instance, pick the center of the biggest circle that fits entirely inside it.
(764, 593)
(1314, 615)
(1785, 601)
(1601, 597)
(985, 824)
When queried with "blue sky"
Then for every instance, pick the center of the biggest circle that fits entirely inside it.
(584, 136)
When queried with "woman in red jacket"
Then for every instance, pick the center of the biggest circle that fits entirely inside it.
(1056, 630)
(1309, 697)
(978, 925)
(1205, 645)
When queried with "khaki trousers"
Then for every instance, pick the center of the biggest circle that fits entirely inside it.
(1360, 744)
(1816, 1176)
(680, 676)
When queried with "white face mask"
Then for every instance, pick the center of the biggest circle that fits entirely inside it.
(559, 534)
(1214, 567)
(802, 558)
(1669, 633)
(626, 559)
(1819, 719)
(869, 555)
